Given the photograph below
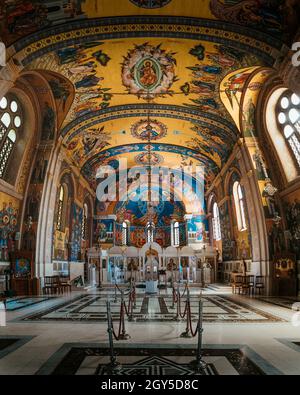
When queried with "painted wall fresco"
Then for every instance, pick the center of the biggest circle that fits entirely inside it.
(103, 231)
(228, 250)
(76, 221)
(9, 217)
(291, 211)
(198, 225)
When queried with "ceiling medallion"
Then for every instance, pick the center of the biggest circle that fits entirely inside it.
(143, 159)
(150, 3)
(141, 132)
(148, 71)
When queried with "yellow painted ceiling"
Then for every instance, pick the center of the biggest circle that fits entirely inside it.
(106, 8)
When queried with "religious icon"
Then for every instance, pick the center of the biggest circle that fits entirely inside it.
(148, 75)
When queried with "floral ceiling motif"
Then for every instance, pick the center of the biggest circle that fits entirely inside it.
(139, 130)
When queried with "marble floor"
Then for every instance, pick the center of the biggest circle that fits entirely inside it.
(68, 334)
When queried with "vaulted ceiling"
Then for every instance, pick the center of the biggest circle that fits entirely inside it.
(125, 61)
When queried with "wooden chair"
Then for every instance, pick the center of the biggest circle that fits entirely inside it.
(259, 284)
(237, 283)
(65, 283)
(248, 284)
(51, 285)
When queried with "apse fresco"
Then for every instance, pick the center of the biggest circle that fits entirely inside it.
(165, 151)
(136, 212)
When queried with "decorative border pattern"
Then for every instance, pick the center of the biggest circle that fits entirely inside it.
(136, 110)
(242, 38)
(150, 4)
(228, 350)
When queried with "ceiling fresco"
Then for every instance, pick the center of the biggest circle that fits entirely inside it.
(114, 66)
(20, 18)
(127, 73)
(179, 72)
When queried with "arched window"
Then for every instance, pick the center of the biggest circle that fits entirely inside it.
(61, 209)
(175, 234)
(10, 124)
(216, 222)
(288, 116)
(150, 232)
(125, 233)
(239, 206)
(84, 234)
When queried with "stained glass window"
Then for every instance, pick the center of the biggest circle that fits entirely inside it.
(10, 124)
(288, 117)
(239, 206)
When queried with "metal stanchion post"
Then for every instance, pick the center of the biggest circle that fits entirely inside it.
(115, 300)
(123, 335)
(134, 299)
(187, 333)
(114, 366)
(198, 365)
(173, 304)
(130, 303)
(176, 318)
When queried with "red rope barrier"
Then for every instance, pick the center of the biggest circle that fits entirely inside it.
(190, 322)
(179, 307)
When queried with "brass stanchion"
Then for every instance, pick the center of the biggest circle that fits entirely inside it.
(130, 303)
(114, 366)
(173, 297)
(123, 335)
(198, 365)
(176, 318)
(116, 299)
(187, 333)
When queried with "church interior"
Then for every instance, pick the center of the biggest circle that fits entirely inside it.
(149, 187)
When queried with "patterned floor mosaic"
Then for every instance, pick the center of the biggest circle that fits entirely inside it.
(152, 361)
(286, 302)
(20, 303)
(9, 344)
(216, 308)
